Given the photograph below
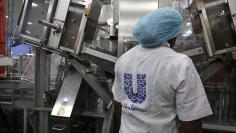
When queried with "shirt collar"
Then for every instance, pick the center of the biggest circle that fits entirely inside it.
(166, 44)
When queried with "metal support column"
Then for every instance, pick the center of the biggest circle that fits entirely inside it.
(25, 120)
(42, 76)
(42, 79)
(43, 121)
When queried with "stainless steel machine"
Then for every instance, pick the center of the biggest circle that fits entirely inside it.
(208, 37)
(89, 35)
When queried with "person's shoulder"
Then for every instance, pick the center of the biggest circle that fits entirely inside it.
(128, 54)
(179, 59)
(180, 56)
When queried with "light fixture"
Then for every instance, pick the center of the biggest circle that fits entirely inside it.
(65, 100)
(30, 54)
(30, 23)
(189, 24)
(34, 5)
(110, 22)
(28, 32)
(6, 16)
(187, 33)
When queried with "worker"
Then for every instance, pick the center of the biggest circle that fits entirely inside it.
(156, 88)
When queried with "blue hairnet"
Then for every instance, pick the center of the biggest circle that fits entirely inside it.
(158, 27)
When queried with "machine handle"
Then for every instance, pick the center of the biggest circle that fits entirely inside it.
(59, 127)
(56, 27)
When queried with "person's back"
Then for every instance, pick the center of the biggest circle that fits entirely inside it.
(154, 86)
(148, 97)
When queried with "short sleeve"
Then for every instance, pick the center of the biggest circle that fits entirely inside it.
(191, 99)
(116, 88)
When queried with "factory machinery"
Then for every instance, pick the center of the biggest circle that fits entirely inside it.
(77, 43)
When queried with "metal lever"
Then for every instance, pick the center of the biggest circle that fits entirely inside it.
(56, 27)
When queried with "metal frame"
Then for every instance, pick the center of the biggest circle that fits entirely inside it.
(59, 19)
(25, 10)
(80, 33)
(99, 90)
(18, 85)
(42, 76)
(50, 14)
(216, 127)
(42, 67)
(68, 93)
(42, 71)
(91, 80)
(30, 39)
(45, 34)
(193, 52)
(99, 54)
(207, 31)
(26, 6)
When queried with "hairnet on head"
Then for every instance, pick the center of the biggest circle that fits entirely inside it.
(158, 27)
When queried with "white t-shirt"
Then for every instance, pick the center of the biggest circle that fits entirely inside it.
(155, 86)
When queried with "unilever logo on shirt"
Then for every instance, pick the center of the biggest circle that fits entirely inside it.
(138, 97)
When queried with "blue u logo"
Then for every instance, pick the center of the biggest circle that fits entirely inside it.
(140, 96)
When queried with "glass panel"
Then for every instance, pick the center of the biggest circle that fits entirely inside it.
(37, 9)
(221, 26)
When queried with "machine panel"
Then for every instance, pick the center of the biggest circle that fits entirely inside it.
(218, 26)
(59, 19)
(34, 10)
(68, 93)
(77, 24)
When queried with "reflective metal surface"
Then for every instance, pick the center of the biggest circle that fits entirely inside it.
(87, 34)
(130, 12)
(220, 24)
(78, 20)
(193, 52)
(72, 25)
(34, 10)
(219, 30)
(219, 127)
(92, 81)
(68, 93)
(59, 19)
(100, 54)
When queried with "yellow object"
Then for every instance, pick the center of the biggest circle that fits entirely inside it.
(87, 11)
(61, 111)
